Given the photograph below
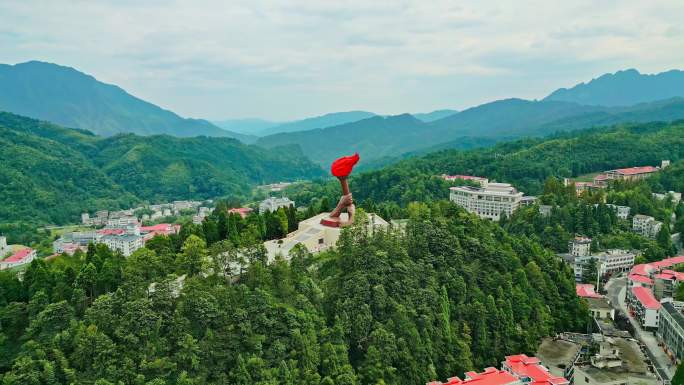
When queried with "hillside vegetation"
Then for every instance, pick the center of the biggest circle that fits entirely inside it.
(51, 174)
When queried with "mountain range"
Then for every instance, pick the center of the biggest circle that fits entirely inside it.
(50, 174)
(70, 98)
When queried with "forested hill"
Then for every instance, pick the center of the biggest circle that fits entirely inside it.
(382, 137)
(51, 174)
(65, 96)
(451, 294)
(525, 163)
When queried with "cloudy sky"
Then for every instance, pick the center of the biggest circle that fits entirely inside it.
(285, 60)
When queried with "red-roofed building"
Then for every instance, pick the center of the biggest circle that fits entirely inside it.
(241, 211)
(586, 290)
(531, 371)
(643, 306)
(150, 232)
(110, 231)
(21, 257)
(639, 280)
(477, 179)
(491, 376)
(600, 180)
(632, 173)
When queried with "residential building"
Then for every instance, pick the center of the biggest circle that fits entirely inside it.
(122, 221)
(559, 355)
(489, 201)
(671, 329)
(272, 204)
(643, 306)
(314, 236)
(531, 371)
(545, 210)
(580, 247)
(674, 196)
(126, 244)
(665, 283)
(163, 229)
(646, 225)
(599, 308)
(21, 257)
(476, 179)
(490, 376)
(632, 173)
(621, 212)
(615, 261)
(600, 181)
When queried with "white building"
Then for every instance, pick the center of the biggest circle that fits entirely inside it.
(127, 244)
(21, 257)
(272, 204)
(580, 247)
(3, 246)
(314, 236)
(488, 201)
(675, 196)
(646, 225)
(615, 261)
(621, 212)
(644, 306)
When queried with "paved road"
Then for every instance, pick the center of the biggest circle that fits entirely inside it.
(616, 289)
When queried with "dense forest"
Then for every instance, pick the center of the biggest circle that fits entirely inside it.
(525, 163)
(51, 174)
(448, 293)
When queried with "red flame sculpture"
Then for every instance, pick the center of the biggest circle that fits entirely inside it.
(341, 168)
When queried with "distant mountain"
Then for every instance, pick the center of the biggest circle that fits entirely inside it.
(70, 98)
(623, 88)
(249, 126)
(434, 115)
(380, 138)
(50, 174)
(327, 120)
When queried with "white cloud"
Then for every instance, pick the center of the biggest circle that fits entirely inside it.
(289, 59)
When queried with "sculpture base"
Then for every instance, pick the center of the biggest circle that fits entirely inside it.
(341, 221)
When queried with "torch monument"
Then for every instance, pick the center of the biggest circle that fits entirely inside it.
(341, 168)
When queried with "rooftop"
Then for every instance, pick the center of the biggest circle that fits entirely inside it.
(598, 303)
(636, 170)
(676, 314)
(646, 298)
(491, 376)
(557, 354)
(523, 366)
(640, 278)
(586, 290)
(19, 255)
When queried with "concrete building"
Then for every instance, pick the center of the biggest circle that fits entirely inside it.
(488, 201)
(671, 329)
(619, 361)
(272, 204)
(643, 306)
(126, 244)
(646, 225)
(545, 210)
(314, 236)
(559, 356)
(4, 250)
(21, 257)
(621, 212)
(665, 283)
(580, 247)
(600, 308)
(615, 261)
(674, 196)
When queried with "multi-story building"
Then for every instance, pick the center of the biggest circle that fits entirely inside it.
(665, 283)
(126, 244)
(646, 225)
(615, 261)
(632, 173)
(676, 197)
(490, 376)
(272, 204)
(531, 371)
(621, 212)
(671, 329)
(489, 201)
(3, 246)
(580, 247)
(643, 306)
(476, 179)
(21, 257)
(243, 212)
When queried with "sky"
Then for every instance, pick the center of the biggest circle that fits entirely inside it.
(283, 60)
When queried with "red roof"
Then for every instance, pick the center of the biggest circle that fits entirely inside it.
(19, 255)
(642, 269)
(646, 298)
(636, 170)
(111, 231)
(491, 376)
(242, 211)
(600, 177)
(640, 279)
(586, 290)
(523, 366)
